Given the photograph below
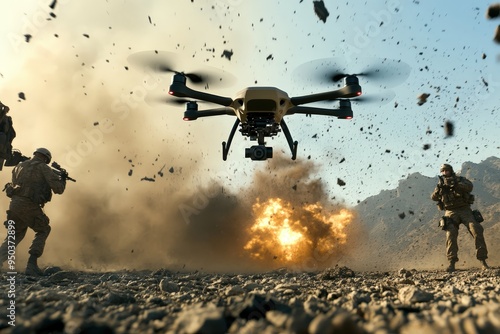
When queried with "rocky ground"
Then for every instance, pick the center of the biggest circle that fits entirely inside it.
(336, 300)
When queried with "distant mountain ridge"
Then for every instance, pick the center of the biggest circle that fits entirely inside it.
(400, 229)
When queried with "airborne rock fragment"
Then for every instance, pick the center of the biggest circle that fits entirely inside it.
(493, 11)
(228, 54)
(320, 10)
(449, 128)
(496, 38)
(423, 98)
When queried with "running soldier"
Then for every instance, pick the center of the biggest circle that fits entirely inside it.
(33, 182)
(453, 194)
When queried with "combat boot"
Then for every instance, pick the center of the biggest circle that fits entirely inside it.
(451, 267)
(32, 267)
(485, 265)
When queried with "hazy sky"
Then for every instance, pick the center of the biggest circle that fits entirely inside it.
(89, 110)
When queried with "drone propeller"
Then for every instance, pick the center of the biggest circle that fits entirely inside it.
(377, 98)
(170, 100)
(386, 72)
(163, 62)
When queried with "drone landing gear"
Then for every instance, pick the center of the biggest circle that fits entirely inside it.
(293, 144)
(226, 146)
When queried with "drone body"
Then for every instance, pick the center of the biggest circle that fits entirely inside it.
(260, 111)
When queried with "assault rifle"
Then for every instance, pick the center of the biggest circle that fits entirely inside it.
(61, 171)
(440, 185)
(15, 158)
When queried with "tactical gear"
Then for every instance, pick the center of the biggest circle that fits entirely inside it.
(453, 192)
(478, 216)
(45, 152)
(451, 267)
(7, 135)
(444, 222)
(35, 179)
(9, 189)
(485, 265)
(446, 167)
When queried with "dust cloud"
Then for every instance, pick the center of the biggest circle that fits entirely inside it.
(201, 228)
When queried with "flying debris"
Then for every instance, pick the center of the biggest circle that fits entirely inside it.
(422, 98)
(160, 172)
(402, 215)
(53, 4)
(320, 10)
(27, 38)
(427, 146)
(22, 96)
(449, 128)
(228, 54)
(148, 179)
(493, 11)
(340, 182)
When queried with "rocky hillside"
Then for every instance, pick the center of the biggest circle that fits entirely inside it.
(400, 225)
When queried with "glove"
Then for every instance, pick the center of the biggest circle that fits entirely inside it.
(449, 182)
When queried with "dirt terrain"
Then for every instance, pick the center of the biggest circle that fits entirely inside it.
(333, 300)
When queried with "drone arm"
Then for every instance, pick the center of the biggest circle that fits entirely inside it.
(345, 92)
(343, 112)
(191, 115)
(181, 90)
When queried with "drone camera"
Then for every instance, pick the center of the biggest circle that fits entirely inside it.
(259, 152)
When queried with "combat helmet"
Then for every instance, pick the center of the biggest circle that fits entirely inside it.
(45, 152)
(446, 167)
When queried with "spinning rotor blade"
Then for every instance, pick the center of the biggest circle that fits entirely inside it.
(379, 98)
(385, 72)
(170, 100)
(166, 62)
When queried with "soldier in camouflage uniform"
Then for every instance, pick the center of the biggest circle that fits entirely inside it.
(7, 134)
(33, 182)
(453, 194)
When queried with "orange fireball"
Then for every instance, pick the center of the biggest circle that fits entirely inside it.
(292, 234)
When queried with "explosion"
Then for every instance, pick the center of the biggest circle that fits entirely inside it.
(292, 235)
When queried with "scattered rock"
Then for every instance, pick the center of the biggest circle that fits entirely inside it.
(320, 10)
(422, 98)
(493, 11)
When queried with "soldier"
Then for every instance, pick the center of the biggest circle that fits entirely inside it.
(453, 194)
(7, 134)
(33, 182)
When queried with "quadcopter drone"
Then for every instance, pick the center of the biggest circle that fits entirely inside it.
(260, 111)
